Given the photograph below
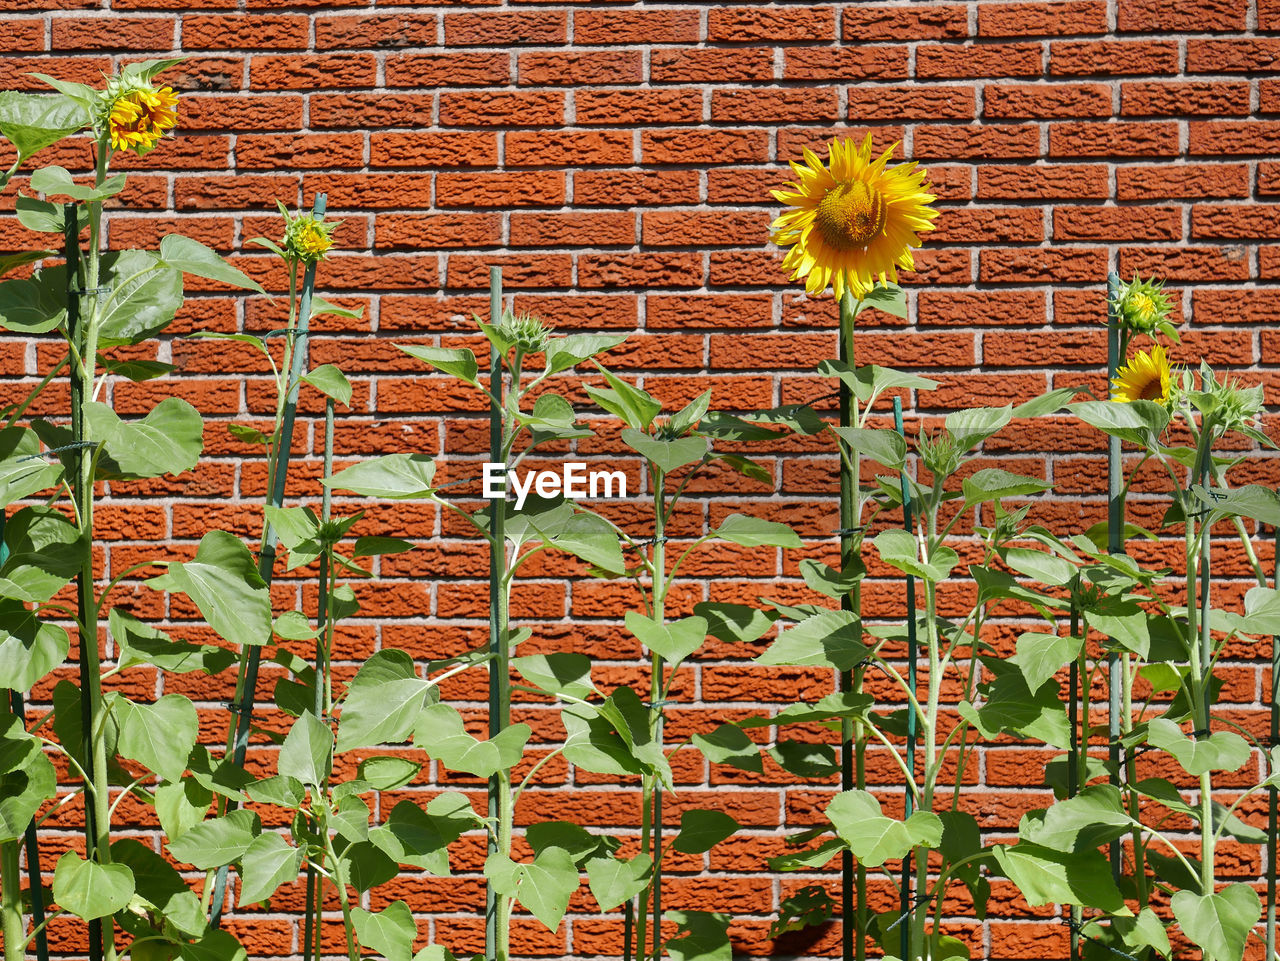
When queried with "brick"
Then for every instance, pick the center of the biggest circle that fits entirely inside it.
(519, 108)
(1268, 178)
(1268, 15)
(372, 190)
(736, 65)
(1127, 139)
(15, 73)
(568, 148)
(1034, 101)
(1193, 181)
(1117, 223)
(1211, 137)
(665, 228)
(447, 69)
(589, 68)
(1112, 57)
(777, 106)
(261, 113)
(526, 189)
(985, 60)
(613, 27)
(1166, 16)
(259, 32)
(1051, 181)
(573, 230)
(24, 34)
(920, 21)
(495, 28)
(312, 72)
(1005, 225)
(1233, 56)
(619, 107)
(1058, 265)
(111, 33)
(1185, 264)
(380, 30)
(308, 151)
(917, 102)
(845, 63)
(1235, 222)
(438, 231)
(1056, 19)
(446, 148)
(629, 188)
(989, 142)
(774, 25)
(683, 146)
(1160, 98)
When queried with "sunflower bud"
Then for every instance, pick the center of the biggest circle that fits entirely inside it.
(306, 238)
(1143, 306)
(526, 331)
(134, 114)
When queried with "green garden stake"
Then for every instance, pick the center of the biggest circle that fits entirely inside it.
(499, 683)
(908, 523)
(1273, 797)
(1115, 545)
(247, 680)
(1073, 755)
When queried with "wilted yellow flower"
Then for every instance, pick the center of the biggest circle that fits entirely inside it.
(854, 222)
(138, 118)
(1146, 377)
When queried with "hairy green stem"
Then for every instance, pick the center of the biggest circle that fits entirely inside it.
(14, 923)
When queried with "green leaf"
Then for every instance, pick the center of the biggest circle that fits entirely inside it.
(390, 931)
(140, 643)
(159, 887)
(886, 447)
(839, 705)
(735, 623)
(46, 217)
(701, 830)
(674, 640)
(32, 122)
(27, 776)
(1139, 422)
(137, 371)
(805, 760)
(306, 751)
(559, 673)
(160, 735)
(577, 841)
(10, 262)
(704, 936)
(145, 295)
(1040, 656)
(267, 863)
(441, 732)
(192, 257)
(1045, 876)
(613, 881)
(90, 890)
(969, 428)
(1125, 622)
(384, 701)
(35, 305)
(991, 484)
(667, 456)
(29, 647)
(392, 476)
(331, 382)
(461, 363)
(634, 406)
(216, 842)
(285, 792)
(421, 838)
(181, 806)
(1253, 500)
(1261, 612)
(728, 744)
(1094, 817)
(1039, 565)
(167, 441)
(810, 906)
(1010, 705)
(213, 946)
(810, 860)
(386, 773)
(830, 639)
(1220, 923)
(898, 548)
(571, 350)
(755, 532)
(550, 411)
(57, 181)
(543, 887)
(1222, 751)
(869, 381)
(874, 838)
(224, 583)
(583, 535)
(888, 297)
(22, 471)
(1047, 403)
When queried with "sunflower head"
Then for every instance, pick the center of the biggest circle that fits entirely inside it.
(306, 238)
(1146, 377)
(1143, 306)
(853, 221)
(525, 331)
(136, 114)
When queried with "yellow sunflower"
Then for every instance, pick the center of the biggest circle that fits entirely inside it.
(854, 222)
(139, 118)
(1146, 377)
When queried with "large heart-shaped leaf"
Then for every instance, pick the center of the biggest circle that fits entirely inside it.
(35, 305)
(390, 931)
(192, 257)
(874, 838)
(701, 830)
(460, 362)
(223, 582)
(671, 640)
(1219, 923)
(830, 639)
(219, 841)
(145, 295)
(90, 890)
(267, 863)
(543, 887)
(667, 455)
(613, 881)
(1222, 751)
(167, 441)
(28, 777)
(392, 476)
(29, 647)
(32, 122)
(160, 735)
(306, 751)
(1046, 876)
(441, 732)
(384, 702)
(756, 532)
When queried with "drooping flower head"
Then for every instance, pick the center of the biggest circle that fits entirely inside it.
(137, 114)
(855, 221)
(306, 238)
(1146, 377)
(1143, 306)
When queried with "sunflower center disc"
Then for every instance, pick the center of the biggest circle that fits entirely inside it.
(851, 215)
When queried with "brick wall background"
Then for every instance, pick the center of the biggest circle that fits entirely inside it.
(615, 159)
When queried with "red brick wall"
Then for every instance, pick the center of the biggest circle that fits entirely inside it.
(615, 159)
